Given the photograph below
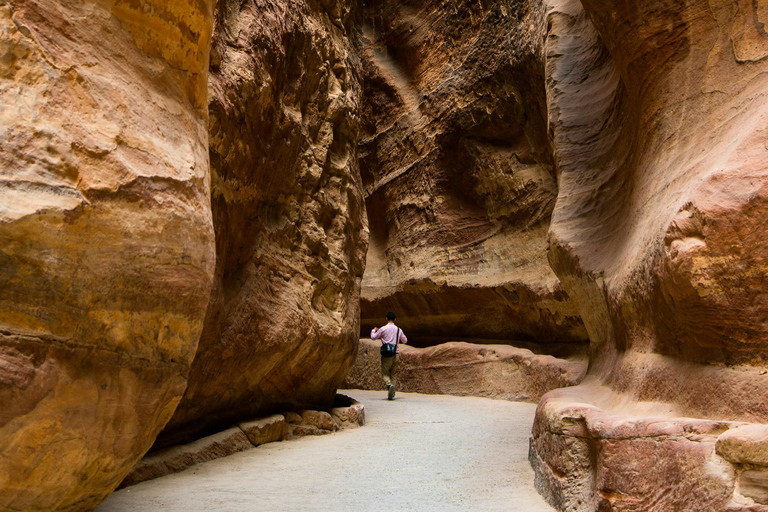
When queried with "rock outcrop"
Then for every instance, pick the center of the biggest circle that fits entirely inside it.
(106, 239)
(659, 122)
(288, 212)
(468, 369)
(459, 175)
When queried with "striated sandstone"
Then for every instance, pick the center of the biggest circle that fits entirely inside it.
(658, 119)
(458, 174)
(106, 239)
(468, 369)
(281, 329)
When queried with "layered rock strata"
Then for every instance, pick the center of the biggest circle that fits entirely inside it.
(468, 369)
(348, 413)
(288, 213)
(658, 116)
(106, 239)
(458, 174)
(587, 456)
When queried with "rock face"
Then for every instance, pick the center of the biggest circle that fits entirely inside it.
(468, 369)
(659, 123)
(106, 239)
(458, 174)
(281, 329)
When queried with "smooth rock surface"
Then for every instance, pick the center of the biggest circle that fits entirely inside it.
(458, 368)
(458, 174)
(439, 459)
(745, 445)
(106, 239)
(281, 329)
(658, 120)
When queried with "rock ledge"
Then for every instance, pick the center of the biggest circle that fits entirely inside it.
(245, 435)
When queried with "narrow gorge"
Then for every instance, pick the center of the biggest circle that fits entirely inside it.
(207, 205)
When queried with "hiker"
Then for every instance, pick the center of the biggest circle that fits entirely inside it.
(390, 335)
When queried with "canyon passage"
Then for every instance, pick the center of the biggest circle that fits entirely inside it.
(207, 205)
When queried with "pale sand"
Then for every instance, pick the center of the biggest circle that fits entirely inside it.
(416, 453)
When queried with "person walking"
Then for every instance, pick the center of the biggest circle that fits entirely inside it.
(390, 335)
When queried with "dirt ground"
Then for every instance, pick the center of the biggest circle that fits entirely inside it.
(416, 453)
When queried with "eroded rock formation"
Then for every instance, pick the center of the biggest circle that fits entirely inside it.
(106, 240)
(468, 369)
(659, 121)
(458, 174)
(281, 330)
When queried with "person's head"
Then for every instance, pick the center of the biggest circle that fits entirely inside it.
(391, 316)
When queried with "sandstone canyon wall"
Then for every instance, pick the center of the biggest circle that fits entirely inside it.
(281, 329)
(106, 239)
(659, 122)
(458, 174)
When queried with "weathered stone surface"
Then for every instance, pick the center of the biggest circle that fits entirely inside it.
(264, 430)
(753, 484)
(745, 445)
(643, 458)
(458, 368)
(458, 174)
(659, 128)
(281, 330)
(349, 413)
(106, 240)
(178, 458)
(659, 121)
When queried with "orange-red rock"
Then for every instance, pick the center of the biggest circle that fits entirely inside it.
(281, 329)
(106, 239)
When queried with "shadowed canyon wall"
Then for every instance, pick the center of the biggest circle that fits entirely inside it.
(281, 329)
(458, 174)
(106, 239)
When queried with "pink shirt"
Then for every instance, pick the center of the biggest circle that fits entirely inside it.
(388, 333)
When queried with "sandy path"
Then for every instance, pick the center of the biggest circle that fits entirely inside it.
(417, 453)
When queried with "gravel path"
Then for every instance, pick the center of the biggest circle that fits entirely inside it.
(417, 453)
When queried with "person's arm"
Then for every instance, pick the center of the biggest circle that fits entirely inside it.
(403, 338)
(375, 333)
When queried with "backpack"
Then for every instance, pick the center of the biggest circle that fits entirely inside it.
(390, 349)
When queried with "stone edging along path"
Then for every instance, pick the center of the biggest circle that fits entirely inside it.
(246, 435)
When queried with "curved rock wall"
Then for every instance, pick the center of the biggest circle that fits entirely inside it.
(281, 329)
(458, 174)
(659, 120)
(658, 226)
(106, 239)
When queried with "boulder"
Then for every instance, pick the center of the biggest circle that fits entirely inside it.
(106, 237)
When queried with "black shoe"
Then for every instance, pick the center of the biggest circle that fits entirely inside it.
(391, 393)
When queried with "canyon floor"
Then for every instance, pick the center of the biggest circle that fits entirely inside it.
(419, 452)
